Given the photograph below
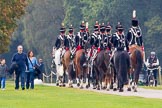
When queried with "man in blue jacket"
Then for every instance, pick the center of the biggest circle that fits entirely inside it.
(20, 58)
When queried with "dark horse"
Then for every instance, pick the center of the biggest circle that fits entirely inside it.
(122, 66)
(136, 57)
(80, 62)
(102, 70)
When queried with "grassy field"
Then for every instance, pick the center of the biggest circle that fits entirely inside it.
(55, 97)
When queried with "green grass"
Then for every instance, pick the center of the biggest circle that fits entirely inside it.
(55, 97)
(159, 87)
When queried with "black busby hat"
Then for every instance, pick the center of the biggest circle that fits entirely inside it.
(62, 29)
(96, 26)
(71, 28)
(82, 26)
(102, 28)
(119, 27)
(108, 27)
(134, 20)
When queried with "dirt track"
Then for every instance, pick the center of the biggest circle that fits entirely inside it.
(146, 93)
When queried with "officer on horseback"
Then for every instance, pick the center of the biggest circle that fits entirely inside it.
(81, 38)
(134, 35)
(153, 63)
(108, 37)
(71, 41)
(61, 41)
(93, 38)
(101, 38)
(119, 40)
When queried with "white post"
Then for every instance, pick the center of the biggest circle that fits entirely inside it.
(43, 77)
(159, 74)
(51, 77)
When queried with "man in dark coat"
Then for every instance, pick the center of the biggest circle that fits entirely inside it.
(20, 60)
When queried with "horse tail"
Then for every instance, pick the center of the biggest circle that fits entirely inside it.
(123, 67)
(71, 71)
(83, 59)
(139, 62)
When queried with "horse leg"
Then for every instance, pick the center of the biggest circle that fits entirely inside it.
(129, 82)
(57, 80)
(87, 80)
(81, 80)
(135, 81)
(105, 79)
(120, 84)
(64, 78)
(70, 81)
(77, 76)
(115, 80)
(100, 74)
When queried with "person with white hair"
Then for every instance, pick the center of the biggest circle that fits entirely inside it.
(153, 63)
(21, 60)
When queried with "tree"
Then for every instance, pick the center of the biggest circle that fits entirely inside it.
(11, 11)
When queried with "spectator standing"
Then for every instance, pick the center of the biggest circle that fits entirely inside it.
(3, 72)
(41, 68)
(33, 64)
(21, 61)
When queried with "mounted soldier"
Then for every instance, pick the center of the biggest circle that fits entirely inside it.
(119, 41)
(108, 37)
(70, 39)
(61, 41)
(134, 35)
(93, 39)
(100, 40)
(81, 39)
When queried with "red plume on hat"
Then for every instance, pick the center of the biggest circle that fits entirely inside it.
(134, 20)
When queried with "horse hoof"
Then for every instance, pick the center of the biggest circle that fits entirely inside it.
(129, 89)
(87, 86)
(133, 87)
(57, 84)
(78, 84)
(135, 90)
(103, 88)
(94, 87)
(121, 90)
(70, 86)
(111, 87)
(115, 89)
(108, 89)
(60, 85)
(98, 88)
(64, 85)
(81, 87)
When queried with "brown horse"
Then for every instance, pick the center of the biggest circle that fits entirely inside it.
(80, 66)
(136, 58)
(68, 67)
(102, 70)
